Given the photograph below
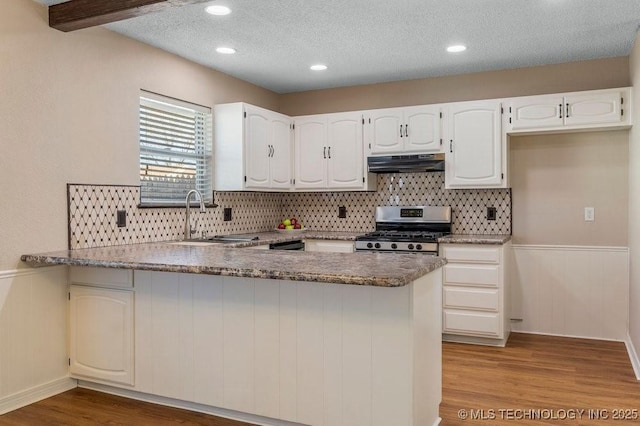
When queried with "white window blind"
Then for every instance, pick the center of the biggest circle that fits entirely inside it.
(175, 150)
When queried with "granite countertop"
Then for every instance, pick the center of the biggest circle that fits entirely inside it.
(474, 239)
(374, 269)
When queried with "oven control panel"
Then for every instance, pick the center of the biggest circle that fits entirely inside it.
(400, 246)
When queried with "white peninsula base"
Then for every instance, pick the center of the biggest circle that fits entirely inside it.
(279, 352)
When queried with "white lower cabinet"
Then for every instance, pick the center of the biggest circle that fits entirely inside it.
(101, 334)
(474, 298)
(330, 246)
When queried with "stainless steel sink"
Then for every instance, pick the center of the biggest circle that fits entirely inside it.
(217, 239)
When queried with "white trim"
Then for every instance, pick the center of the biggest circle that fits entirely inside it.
(574, 248)
(35, 394)
(10, 273)
(192, 406)
(633, 356)
(571, 336)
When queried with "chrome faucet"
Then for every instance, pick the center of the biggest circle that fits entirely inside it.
(188, 232)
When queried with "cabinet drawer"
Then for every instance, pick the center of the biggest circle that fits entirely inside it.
(466, 322)
(330, 246)
(472, 275)
(455, 297)
(471, 254)
(104, 277)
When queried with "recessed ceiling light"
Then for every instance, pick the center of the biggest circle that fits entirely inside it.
(218, 10)
(318, 67)
(226, 50)
(456, 48)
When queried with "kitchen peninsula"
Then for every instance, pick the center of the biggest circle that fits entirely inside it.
(270, 337)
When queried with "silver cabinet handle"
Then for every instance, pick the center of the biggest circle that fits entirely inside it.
(566, 111)
(324, 152)
(273, 150)
(329, 152)
(560, 110)
(406, 130)
(451, 145)
(401, 130)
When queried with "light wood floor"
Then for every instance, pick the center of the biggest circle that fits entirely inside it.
(531, 373)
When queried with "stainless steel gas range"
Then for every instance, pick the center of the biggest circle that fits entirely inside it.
(407, 229)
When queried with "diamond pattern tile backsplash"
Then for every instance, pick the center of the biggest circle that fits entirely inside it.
(92, 216)
(92, 210)
(319, 211)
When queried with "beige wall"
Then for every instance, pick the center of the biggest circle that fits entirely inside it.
(554, 177)
(574, 76)
(634, 204)
(68, 114)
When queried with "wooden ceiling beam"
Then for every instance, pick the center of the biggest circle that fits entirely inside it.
(77, 14)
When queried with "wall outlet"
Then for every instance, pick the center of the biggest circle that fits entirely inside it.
(227, 214)
(342, 212)
(491, 213)
(589, 214)
(121, 218)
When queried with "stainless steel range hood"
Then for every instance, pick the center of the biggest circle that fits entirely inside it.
(406, 163)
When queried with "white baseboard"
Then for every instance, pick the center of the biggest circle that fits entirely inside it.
(633, 356)
(571, 336)
(192, 406)
(35, 394)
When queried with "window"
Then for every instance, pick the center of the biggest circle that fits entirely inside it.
(175, 150)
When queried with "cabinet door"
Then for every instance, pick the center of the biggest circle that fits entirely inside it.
(345, 159)
(474, 154)
(384, 134)
(537, 112)
(311, 152)
(422, 129)
(280, 164)
(101, 340)
(257, 141)
(593, 108)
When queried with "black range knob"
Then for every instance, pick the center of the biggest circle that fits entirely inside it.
(369, 245)
(377, 245)
(394, 246)
(410, 246)
(418, 246)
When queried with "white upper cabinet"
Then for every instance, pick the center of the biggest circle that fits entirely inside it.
(329, 152)
(345, 156)
(280, 162)
(404, 130)
(536, 112)
(311, 152)
(571, 111)
(257, 148)
(385, 127)
(252, 147)
(474, 145)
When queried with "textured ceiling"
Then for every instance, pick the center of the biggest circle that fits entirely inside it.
(371, 41)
